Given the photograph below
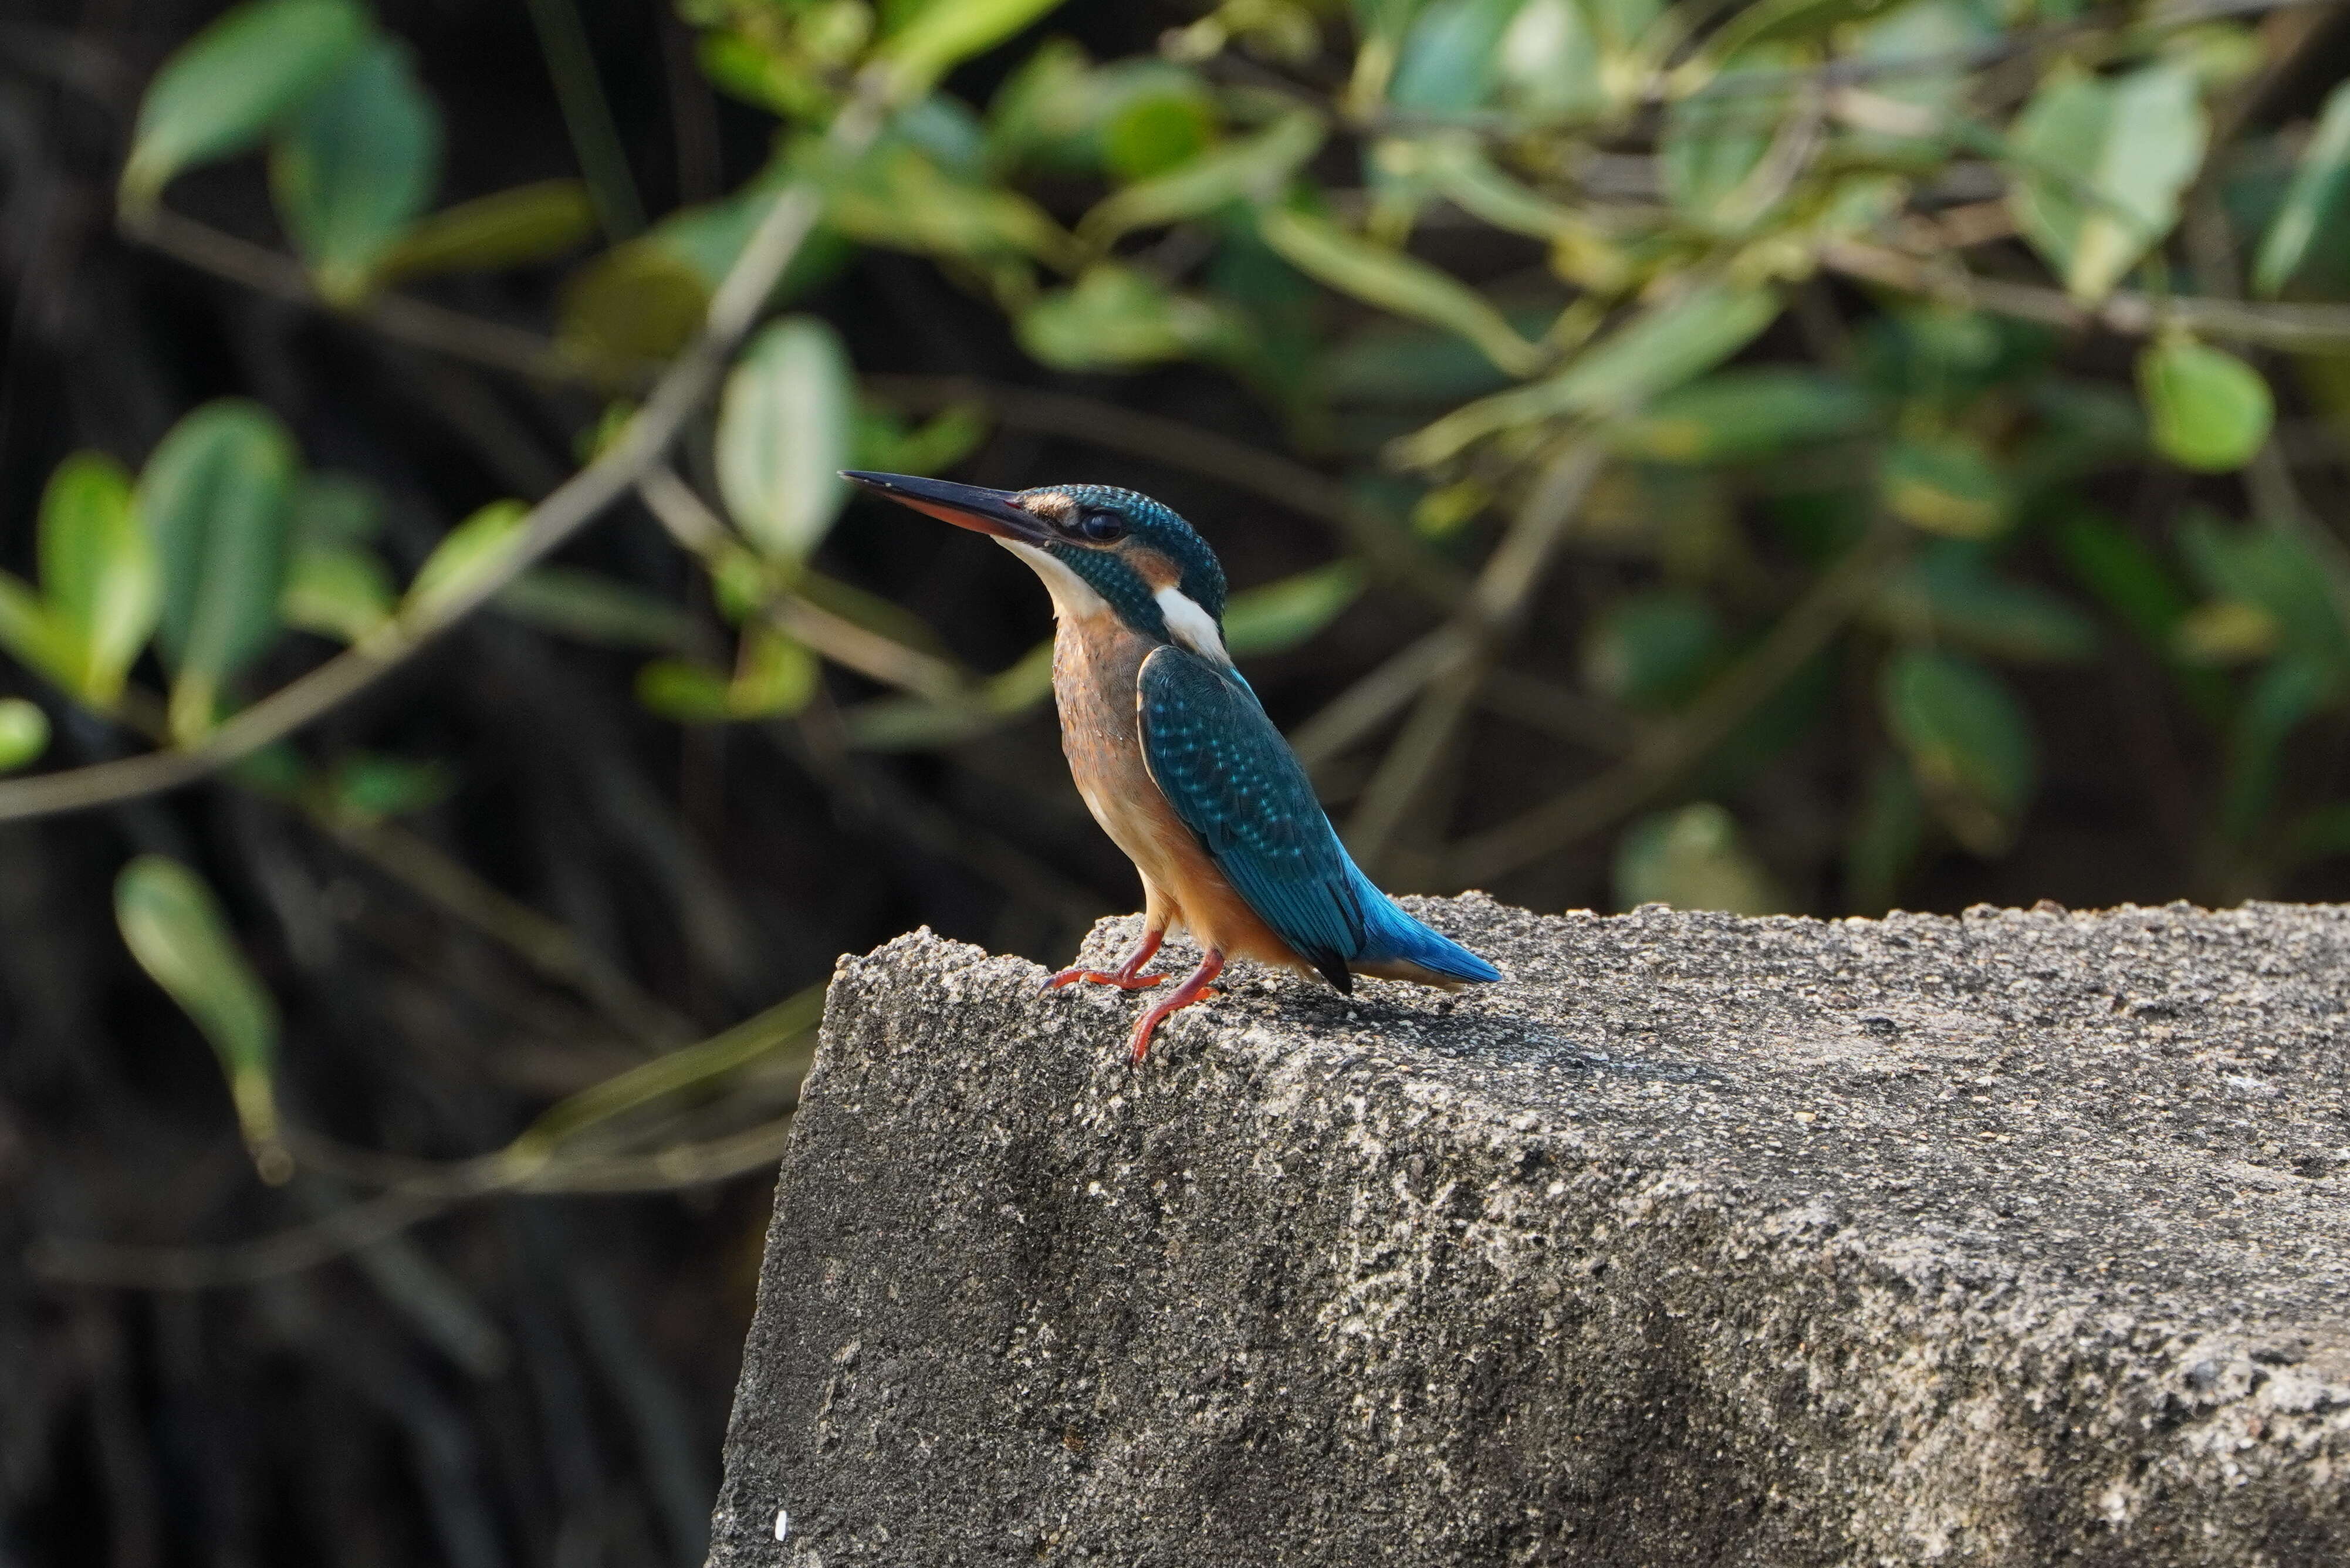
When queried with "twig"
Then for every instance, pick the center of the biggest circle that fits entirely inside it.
(1803, 631)
(415, 322)
(578, 502)
(2277, 325)
(1160, 440)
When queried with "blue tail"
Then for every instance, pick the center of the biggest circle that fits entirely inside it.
(1389, 935)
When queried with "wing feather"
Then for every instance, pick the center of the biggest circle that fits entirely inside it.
(1235, 783)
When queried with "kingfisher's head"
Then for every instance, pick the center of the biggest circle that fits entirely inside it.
(1099, 548)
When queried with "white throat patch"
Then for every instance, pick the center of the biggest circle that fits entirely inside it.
(1190, 625)
(1073, 597)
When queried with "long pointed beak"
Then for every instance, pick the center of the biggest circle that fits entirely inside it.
(965, 506)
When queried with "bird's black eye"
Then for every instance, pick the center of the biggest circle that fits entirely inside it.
(1101, 527)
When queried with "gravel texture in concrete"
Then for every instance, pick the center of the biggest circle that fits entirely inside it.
(2020, 1238)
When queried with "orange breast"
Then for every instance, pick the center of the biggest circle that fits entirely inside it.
(1097, 664)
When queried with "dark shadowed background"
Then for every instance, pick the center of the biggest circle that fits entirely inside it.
(1808, 457)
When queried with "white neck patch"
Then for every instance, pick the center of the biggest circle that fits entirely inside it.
(1190, 625)
(1073, 597)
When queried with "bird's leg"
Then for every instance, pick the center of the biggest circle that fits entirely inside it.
(1195, 988)
(1127, 976)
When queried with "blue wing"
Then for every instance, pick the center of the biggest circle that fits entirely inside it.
(1234, 781)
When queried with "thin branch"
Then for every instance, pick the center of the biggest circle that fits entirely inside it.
(2278, 326)
(576, 503)
(415, 322)
(1669, 752)
(1156, 439)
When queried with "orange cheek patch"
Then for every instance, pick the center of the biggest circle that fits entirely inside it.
(1154, 568)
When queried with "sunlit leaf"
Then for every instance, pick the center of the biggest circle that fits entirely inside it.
(774, 676)
(689, 693)
(1655, 351)
(1946, 484)
(1114, 317)
(474, 552)
(225, 89)
(1247, 169)
(784, 427)
(2099, 164)
(2206, 408)
(336, 592)
(1396, 282)
(527, 224)
(1744, 415)
(30, 633)
(1694, 858)
(1150, 136)
(1549, 63)
(1967, 738)
(215, 498)
(882, 442)
(354, 164)
(2227, 631)
(2320, 182)
(174, 928)
(1281, 615)
(98, 572)
(944, 33)
(900, 196)
(636, 304)
(1652, 650)
(24, 732)
(589, 607)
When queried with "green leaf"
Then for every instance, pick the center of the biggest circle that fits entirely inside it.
(224, 88)
(2100, 164)
(1396, 283)
(24, 732)
(2282, 697)
(784, 436)
(336, 592)
(2206, 408)
(1657, 350)
(333, 509)
(689, 693)
(474, 552)
(352, 168)
(880, 441)
(1450, 59)
(2276, 572)
(1968, 740)
(1278, 616)
(2226, 631)
(529, 224)
(174, 928)
(588, 606)
(1249, 169)
(1885, 835)
(371, 787)
(2127, 577)
(1744, 415)
(900, 195)
(29, 631)
(215, 498)
(1712, 149)
(2320, 182)
(1694, 858)
(1946, 484)
(1950, 594)
(1114, 317)
(1154, 135)
(944, 33)
(774, 675)
(99, 573)
(1652, 650)
(636, 303)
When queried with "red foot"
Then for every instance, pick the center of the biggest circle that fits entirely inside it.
(1103, 977)
(1127, 976)
(1195, 988)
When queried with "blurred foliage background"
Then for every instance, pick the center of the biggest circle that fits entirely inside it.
(1809, 457)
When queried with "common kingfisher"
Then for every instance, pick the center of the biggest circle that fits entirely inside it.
(1175, 756)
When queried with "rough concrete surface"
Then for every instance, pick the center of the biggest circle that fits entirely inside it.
(2016, 1238)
